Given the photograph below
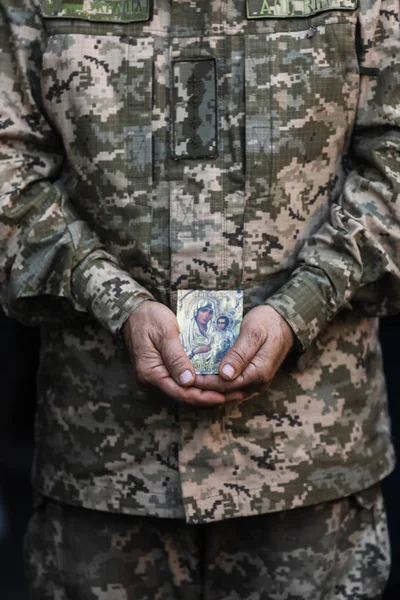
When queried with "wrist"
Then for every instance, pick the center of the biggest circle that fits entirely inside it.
(133, 314)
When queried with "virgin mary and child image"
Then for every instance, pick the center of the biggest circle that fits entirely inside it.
(209, 325)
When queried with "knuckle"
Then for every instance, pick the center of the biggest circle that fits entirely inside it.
(141, 377)
(255, 337)
(237, 355)
(176, 361)
(261, 366)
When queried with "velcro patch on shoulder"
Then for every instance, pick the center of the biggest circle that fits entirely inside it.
(274, 9)
(127, 11)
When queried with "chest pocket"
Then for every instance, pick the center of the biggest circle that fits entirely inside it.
(301, 92)
(97, 88)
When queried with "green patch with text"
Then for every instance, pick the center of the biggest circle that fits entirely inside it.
(271, 9)
(98, 10)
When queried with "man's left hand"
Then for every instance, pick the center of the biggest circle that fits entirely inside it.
(250, 365)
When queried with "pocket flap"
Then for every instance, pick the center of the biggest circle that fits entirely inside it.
(127, 11)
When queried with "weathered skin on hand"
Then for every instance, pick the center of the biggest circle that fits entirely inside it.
(300, 209)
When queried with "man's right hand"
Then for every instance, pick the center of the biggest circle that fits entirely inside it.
(151, 336)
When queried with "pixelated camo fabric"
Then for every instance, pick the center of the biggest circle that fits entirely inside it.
(148, 147)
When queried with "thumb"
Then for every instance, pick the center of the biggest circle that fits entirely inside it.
(176, 360)
(241, 353)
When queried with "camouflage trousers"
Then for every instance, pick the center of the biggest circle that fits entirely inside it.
(331, 551)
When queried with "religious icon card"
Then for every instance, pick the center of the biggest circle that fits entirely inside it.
(209, 323)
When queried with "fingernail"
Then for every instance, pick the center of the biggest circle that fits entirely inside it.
(229, 371)
(186, 376)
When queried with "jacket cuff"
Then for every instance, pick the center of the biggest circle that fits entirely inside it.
(301, 303)
(107, 292)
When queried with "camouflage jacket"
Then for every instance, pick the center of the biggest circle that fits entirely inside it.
(150, 146)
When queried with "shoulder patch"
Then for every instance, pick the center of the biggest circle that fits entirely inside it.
(273, 9)
(98, 10)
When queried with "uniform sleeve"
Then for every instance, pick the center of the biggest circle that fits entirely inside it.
(354, 259)
(53, 267)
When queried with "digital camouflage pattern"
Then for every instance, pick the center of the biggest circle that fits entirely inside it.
(338, 550)
(299, 208)
(194, 108)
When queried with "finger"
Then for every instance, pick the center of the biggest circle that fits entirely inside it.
(212, 382)
(236, 396)
(249, 377)
(250, 395)
(242, 352)
(258, 374)
(241, 388)
(176, 360)
(192, 395)
(159, 377)
(216, 383)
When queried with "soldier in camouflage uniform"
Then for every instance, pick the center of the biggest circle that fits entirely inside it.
(153, 146)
